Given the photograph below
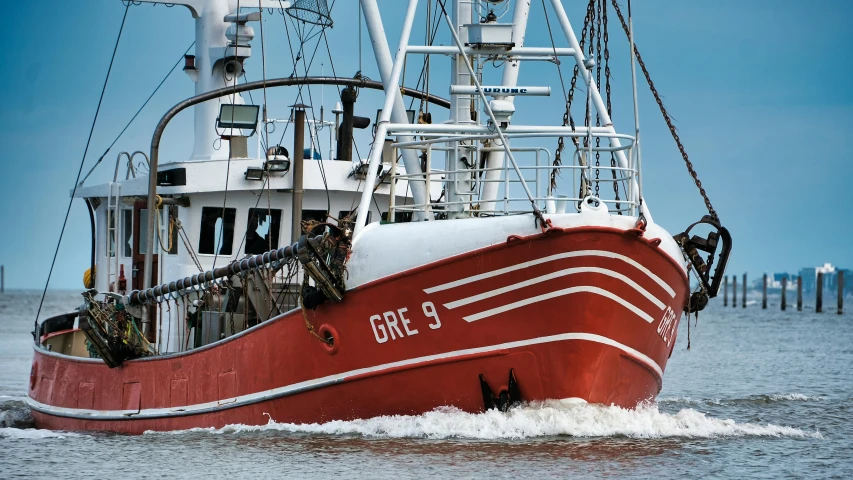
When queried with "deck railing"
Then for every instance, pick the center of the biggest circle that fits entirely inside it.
(578, 178)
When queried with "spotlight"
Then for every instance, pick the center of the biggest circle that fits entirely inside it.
(254, 173)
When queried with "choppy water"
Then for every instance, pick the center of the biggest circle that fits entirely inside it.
(760, 394)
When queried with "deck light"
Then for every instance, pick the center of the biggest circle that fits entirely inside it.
(254, 173)
(238, 116)
(277, 165)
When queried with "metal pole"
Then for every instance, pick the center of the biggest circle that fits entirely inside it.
(595, 94)
(743, 300)
(348, 96)
(637, 150)
(510, 79)
(784, 293)
(398, 114)
(2, 279)
(460, 109)
(819, 303)
(734, 291)
(764, 293)
(382, 128)
(726, 291)
(840, 292)
(799, 293)
(298, 163)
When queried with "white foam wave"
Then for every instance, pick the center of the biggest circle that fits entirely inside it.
(32, 433)
(552, 418)
(756, 399)
(796, 397)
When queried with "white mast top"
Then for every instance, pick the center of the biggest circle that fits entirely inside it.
(221, 47)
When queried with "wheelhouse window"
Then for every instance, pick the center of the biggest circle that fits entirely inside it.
(217, 230)
(111, 229)
(127, 232)
(170, 230)
(262, 230)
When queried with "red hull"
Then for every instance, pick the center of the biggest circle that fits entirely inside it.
(588, 312)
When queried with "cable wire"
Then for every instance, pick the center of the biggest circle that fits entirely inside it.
(80, 171)
(138, 112)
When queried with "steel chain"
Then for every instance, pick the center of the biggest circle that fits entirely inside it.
(668, 120)
(567, 116)
(609, 104)
(597, 82)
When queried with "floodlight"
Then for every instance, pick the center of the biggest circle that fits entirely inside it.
(238, 116)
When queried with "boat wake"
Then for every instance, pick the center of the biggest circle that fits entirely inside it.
(14, 413)
(544, 419)
(16, 422)
(749, 400)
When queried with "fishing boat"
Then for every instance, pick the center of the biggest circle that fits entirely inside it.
(467, 261)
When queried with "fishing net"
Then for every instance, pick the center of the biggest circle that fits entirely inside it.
(311, 11)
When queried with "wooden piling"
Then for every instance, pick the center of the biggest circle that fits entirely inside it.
(840, 292)
(734, 291)
(800, 293)
(743, 297)
(2, 278)
(818, 308)
(726, 291)
(764, 293)
(784, 293)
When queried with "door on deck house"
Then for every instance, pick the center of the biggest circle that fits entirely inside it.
(140, 229)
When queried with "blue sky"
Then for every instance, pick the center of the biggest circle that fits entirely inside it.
(760, 91)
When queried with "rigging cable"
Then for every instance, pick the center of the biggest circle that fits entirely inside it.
(228, 165)
(80, 171)
(137, 113)
(668, 119)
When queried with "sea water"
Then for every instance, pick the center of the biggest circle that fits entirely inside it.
(760, 393)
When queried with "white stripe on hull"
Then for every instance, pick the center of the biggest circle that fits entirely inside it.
(551, 276)
(330, 380)
(551, 258)
(559, 293)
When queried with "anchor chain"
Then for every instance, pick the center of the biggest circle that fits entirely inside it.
(668, 120)
(567, 116)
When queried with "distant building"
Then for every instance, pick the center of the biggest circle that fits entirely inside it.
(830, 278)
(774, 281)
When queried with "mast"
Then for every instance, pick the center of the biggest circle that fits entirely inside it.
(510, 79)
(460, 106)
(398, 115)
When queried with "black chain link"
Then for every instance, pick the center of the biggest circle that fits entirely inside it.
(668, 120)
(567, 116)
(597, 35)
(609, 104)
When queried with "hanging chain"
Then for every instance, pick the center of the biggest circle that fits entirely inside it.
(609, 104)
(668, 119)
(597, 82)
(567, 116)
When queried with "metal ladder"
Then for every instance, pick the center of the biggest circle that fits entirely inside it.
(113, 219)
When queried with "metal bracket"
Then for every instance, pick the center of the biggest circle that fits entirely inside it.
(717, 239)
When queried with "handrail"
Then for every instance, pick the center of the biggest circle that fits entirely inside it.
(475, 177)
(222, 92)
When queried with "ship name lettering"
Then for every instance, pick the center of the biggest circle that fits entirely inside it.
(388, 324)
(668, 326)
